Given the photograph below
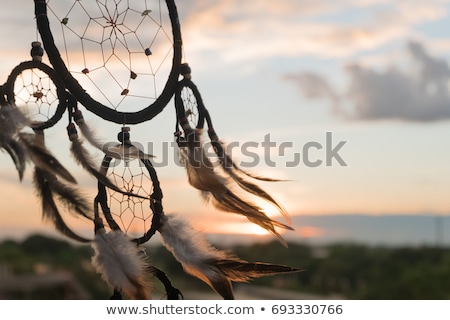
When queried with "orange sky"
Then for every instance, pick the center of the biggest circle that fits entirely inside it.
(242, 55)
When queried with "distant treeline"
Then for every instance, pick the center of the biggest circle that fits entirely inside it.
(345, 270)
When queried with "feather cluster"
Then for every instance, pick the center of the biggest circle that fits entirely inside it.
(236, 173)
(216, 188)
(12, 120)
(41, 157)
(46, 186)
(47, 173)
(52, 181)
(120, 263)
(215, 267)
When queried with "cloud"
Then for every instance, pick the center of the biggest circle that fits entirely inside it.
(241, 31)
(314, 86)
(420, 93)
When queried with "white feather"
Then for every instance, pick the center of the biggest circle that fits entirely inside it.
(12, 120)
(191, 249)
(126, 152)
(119, 262)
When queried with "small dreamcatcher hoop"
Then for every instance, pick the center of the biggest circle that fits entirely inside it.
(202, 173)
(119, 41)
(136, 175)
(36, 86)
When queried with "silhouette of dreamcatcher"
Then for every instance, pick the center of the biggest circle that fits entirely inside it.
(122, 61)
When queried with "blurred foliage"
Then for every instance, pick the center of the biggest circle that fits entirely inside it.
(345, 270)
(360, 272)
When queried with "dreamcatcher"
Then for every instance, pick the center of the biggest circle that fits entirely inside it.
(112, 57)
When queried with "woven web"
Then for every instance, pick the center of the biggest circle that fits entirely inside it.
(133, 214)
(35, 91)
(190, 106)
(119, 50)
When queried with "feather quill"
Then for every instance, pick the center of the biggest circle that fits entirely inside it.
(215, 267)
(119, 262)
(50, 211)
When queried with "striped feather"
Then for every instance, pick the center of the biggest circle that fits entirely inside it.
(119, 262)
(215, 267)
(201, 175)
(42, 157)
(50, 211)
(12, 120)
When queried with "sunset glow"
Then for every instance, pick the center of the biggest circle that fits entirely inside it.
(372, 75)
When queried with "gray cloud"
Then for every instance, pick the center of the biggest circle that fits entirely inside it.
(314, 86)
(419, 94)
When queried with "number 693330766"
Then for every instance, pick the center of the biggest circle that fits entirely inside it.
(307, 309)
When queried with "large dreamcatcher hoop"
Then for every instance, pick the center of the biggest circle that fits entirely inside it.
(113, 21)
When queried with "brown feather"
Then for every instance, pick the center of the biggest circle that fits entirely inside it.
(234, 172)
(12, 120)
(41, 156)
(238, 270)
(229, 202)
(71, 198)
(49, 208)
(215, 267)
(18, 155)
(201, 175)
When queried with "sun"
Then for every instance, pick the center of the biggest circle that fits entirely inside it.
(253, 229)
(239, 228)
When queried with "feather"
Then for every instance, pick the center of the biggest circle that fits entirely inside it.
(119, 262)
(83, 158)
(18, 155)
(227, 162)
(41, 156)
(126, 151)
(12, 120)
(234, 171)
(71, 198)
(229, 202)
(259, 192)
(50, 210)
(238, 270)
(215, 267)
(87, 132)
(201, 176)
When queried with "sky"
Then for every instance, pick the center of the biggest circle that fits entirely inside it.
(354, 95)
